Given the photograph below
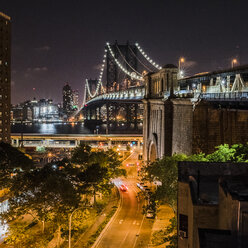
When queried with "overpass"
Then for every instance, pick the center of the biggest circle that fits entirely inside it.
(73, 140)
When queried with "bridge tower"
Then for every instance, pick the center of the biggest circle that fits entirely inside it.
(116, 79)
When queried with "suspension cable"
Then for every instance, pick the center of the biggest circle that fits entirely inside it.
(139, 59)
(126, 60)
(147, 58)
(121, 67)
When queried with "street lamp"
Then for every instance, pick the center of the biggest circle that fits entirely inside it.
(70, 219)
(180, 61)
(234, 61)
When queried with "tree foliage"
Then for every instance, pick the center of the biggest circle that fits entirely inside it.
(12, 160)
(50, 194)
(165, 171)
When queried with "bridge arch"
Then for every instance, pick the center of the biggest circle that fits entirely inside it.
(153, 148)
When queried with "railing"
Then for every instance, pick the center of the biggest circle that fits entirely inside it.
(138, 93)
(134, 93)
(225, 96)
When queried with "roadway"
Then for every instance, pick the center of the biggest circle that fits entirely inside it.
(128, 228)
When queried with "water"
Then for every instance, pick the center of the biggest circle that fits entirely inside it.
(50, 128)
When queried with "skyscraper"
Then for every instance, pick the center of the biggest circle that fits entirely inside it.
(75, 96)
(67, 99)
(5, 39)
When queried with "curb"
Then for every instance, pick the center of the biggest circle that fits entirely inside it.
(110, 221)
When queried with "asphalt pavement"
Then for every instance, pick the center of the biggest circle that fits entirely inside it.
(128, 228)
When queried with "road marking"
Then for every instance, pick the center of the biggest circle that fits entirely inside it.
(120, 222)
(100, 237)
(137, 223)
(134, 222)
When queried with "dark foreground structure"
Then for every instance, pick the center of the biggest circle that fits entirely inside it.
(212, 205)
(5, 41)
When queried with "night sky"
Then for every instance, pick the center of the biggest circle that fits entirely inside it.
(54, 42)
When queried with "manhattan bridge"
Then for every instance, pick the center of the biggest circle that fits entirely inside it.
(113, 102)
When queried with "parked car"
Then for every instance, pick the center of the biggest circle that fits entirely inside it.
(150, 214)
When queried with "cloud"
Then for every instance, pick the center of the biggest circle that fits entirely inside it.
(189, 63)
(43, 48)
(97, 67)
(35, 70)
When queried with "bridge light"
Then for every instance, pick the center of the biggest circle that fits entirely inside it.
(234, 61)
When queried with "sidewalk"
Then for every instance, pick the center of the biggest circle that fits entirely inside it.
(83, 239)
(164, 214)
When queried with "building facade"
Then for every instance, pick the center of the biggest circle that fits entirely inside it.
(67, 99)
(75, 98)
(43, 110)
(5, 77)
(212, 205)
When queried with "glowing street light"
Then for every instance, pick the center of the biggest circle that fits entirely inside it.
(70, 221)
(234, 61)
(180, 72)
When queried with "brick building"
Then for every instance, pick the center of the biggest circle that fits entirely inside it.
(212, 205)
(5, 39)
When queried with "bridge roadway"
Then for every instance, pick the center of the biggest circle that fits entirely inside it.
(73, 140)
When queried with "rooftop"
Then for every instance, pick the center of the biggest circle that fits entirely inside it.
(236, 69)
(236, 186)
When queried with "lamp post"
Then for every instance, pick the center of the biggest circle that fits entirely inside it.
(70, 220)
(180, 61)
(234, 61)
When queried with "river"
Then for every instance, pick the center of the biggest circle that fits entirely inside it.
(50, 128)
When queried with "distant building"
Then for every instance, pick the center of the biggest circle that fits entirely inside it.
(45, 110)
(212, 205)
(75, 99)
(5, 79)
(42, 110)
(67, 99)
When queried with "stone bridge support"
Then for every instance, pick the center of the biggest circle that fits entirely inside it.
(167, 128)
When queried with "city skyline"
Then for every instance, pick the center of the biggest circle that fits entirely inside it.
(55, 47)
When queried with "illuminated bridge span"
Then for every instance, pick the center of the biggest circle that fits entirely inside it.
(114, 101)
(128, 95)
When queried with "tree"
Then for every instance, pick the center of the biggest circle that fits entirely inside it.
(165, 170)
(11, 161)
(47, 194)
(81, 155)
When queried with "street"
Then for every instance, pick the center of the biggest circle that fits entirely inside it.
(128, 228)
